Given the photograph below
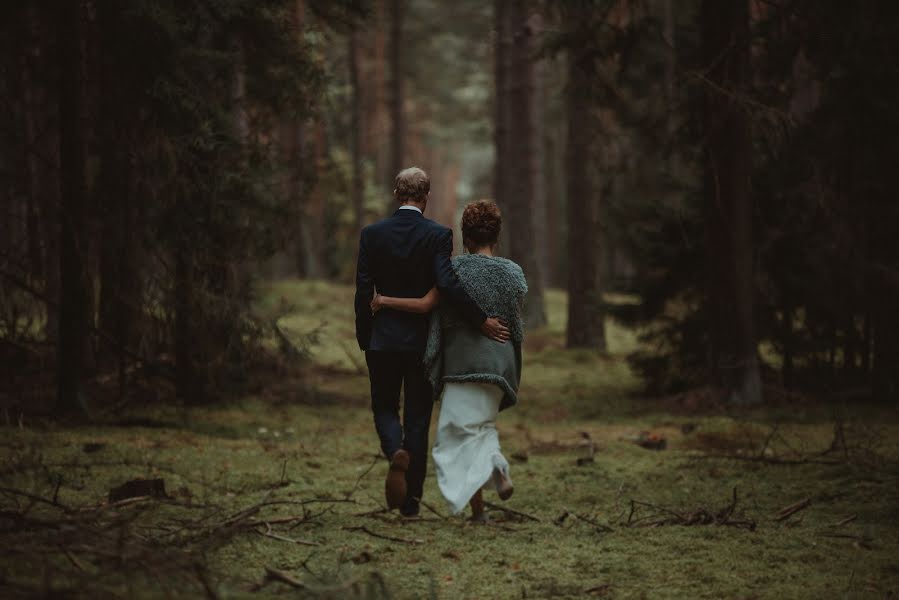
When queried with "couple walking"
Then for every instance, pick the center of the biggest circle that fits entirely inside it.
(439, 327)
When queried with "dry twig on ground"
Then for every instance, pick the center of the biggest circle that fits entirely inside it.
(702, 516)
(509, 511)
(382, 536)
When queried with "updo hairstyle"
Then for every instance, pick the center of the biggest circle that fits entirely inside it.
(481, 224)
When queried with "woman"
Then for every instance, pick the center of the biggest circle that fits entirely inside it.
(477, 376)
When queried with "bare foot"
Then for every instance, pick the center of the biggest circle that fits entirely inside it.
(503, 485)
(477, 508)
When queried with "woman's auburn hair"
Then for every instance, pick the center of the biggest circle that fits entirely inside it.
(481, 224)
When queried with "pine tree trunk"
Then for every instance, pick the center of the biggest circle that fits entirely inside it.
(73, 296)
(540, 218)
(585, 326)
(117, 268)
(397, 98)
(358, 190)
(292, 137)
(374, 85)
(314, 235)
(500, 119)
(31, 107)
(728, 203)
(519, 169)
(188, 385)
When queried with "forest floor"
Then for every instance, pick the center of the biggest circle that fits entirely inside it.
(281, 492)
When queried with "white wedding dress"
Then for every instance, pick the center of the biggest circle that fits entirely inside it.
(466, 452)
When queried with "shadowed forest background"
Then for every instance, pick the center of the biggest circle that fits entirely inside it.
(700, 193)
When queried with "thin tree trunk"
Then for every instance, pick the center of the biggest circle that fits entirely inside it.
(539, 159)
(31, 109)
(376, 111)
(187, 382)
(358, 191)
(585, 326)
(728, 203)
(292, 136)
(500, 124)
(73, 297)
(397, 98)
(118, 271)
(519, 204)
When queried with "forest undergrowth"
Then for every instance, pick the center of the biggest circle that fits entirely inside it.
(617, 495)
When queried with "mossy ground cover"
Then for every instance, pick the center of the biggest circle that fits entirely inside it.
(617, 526)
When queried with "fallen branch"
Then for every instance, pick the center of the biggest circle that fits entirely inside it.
(792, 509)
(283, 538)
(34, 497)
(364, 473)
(382, 536)
(281, 577)
(599, 526)
(700, 516)
(848, 519)
(433, 510)
(353, 584)
(511, 512)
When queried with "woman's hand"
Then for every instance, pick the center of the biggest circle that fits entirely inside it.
(377, 303)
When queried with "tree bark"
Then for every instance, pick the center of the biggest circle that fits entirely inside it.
(397, 98)
(293, 137)
(358, 190)
(31, 108)
(519, 169)
(585, 326)
(728, 203)
(73, 296)
(538, 119)
(188, 385)
(118, 278)
(500, 119)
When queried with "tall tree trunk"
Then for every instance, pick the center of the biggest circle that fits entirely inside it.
(585, 326)
(31, 107)
(117, 268)
(374, 86)
(539, 160)
(728, 203)
(500, 120)
(397, 98)
(73, 297)
(43, 147)
(358, 191)
(314, 235)
(292, 137)
(519, 171)
(188, 384)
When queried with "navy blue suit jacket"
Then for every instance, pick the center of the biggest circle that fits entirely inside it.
(405, 255)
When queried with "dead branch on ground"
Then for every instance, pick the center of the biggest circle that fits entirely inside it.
(382, 536)
(661, 515)
(792, 509)
(509, 511)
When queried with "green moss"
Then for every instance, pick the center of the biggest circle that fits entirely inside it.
(312, 437)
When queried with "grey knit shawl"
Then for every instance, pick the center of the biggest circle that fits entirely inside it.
(498, 286)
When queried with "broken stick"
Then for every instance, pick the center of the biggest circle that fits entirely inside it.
(792, 509)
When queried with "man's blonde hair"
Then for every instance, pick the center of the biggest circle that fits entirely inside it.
(412, 185)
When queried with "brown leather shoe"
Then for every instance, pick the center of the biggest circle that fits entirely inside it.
(395, 484)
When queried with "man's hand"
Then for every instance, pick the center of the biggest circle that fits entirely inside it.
(495, 330)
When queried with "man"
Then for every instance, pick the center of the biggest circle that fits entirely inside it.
(405, 256)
